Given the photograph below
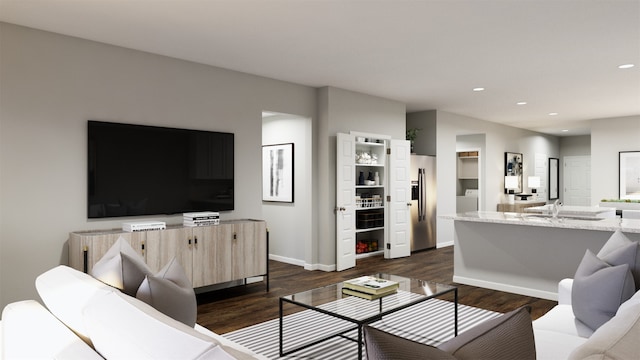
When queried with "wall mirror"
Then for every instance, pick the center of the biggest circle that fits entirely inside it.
(629, 165)
(554, 178)
(513, 167)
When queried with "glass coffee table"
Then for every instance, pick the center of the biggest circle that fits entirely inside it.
(330, 300)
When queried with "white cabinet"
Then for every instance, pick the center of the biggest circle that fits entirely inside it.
(468, 181)
(468, 165)
(372, 198)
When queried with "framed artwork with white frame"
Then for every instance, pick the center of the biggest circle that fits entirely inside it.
(629, 165)
(277, 173)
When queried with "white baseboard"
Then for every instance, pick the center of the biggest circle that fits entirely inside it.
(321, 267)
(287, 260)
(507, 288)
(299, 262)
(444, 244)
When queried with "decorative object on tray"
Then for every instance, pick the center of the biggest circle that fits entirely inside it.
(370, 285)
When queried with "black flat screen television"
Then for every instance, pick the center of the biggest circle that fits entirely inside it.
(147, 170)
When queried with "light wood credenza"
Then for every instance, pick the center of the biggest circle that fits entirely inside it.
(232, 250)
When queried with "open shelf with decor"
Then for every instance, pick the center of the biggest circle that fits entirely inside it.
(369, 169)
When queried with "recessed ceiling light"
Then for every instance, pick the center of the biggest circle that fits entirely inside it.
(565, 130)
(626, 66)
(478, 89)
(553, 114)
(521, 103)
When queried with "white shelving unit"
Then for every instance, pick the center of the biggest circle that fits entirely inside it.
(370, 159)
(366, 213)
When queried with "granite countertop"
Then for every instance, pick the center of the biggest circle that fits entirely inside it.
(572, 210)
(587, 223)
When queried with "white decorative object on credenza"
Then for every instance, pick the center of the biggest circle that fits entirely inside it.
(511, 183)
(143, 226)
(534, 184)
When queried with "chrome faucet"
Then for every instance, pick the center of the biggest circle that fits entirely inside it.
(555, 209)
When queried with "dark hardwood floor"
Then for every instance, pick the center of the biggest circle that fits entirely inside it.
(231, 309)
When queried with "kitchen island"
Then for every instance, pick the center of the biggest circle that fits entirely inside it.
(527, 253)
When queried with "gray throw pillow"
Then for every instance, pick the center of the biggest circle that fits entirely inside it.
(507, 337)
(620, 240)
(380, 345)
(121, 267)
(599, 287)
(170, 292)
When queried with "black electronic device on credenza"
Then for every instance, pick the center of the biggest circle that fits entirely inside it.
(149, 170)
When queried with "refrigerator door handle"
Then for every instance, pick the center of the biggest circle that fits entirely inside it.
(424, 195)
(421, 199)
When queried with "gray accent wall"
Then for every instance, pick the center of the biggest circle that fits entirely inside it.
(52, 84)
(344, 111)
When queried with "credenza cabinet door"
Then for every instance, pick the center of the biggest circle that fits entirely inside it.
(96, 244)
(164, 245)
(208, 257)
(248, 249)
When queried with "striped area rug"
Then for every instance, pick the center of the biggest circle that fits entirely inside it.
(430, 322)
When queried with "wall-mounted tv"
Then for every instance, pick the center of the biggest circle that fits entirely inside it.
(148, 170)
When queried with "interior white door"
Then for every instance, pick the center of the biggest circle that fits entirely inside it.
(345, 202)
(577, 180)
(398, 242)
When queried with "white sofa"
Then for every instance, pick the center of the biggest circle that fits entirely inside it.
(86, 319)
(559, 335)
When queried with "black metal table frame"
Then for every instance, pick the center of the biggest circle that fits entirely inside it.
(359, 323)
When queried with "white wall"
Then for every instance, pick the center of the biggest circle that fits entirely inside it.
(52, 84)
(290, 224)
(608, 138)
(499, 139)
(475, 142)
(344, 111)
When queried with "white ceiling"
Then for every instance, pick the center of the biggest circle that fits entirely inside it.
(557, 55)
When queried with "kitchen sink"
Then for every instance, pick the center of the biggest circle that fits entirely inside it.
(562, 217)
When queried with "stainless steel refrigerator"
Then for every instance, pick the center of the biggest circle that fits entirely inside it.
(423, 202)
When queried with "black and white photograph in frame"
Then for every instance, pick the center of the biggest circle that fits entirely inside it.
(629, 162)
(277, 172)
(513, 167)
